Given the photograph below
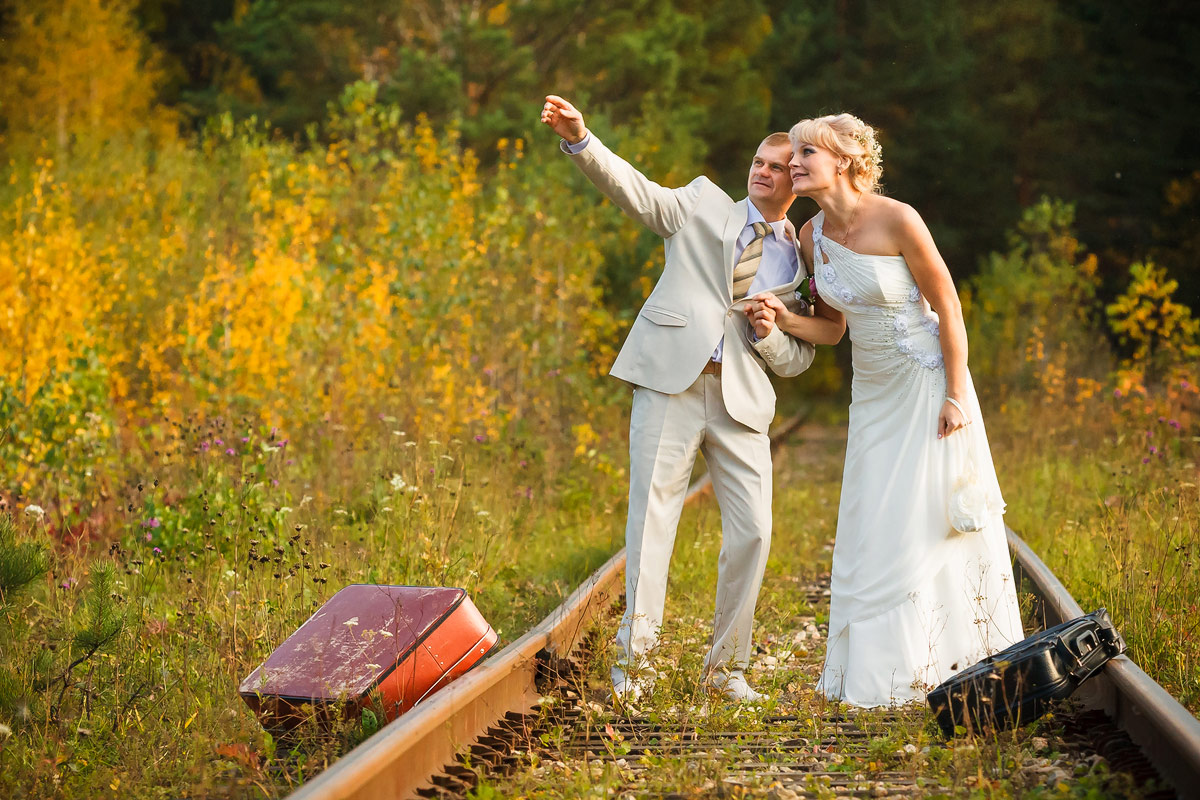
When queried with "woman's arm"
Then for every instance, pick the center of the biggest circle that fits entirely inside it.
(934, 281)
(826, 327)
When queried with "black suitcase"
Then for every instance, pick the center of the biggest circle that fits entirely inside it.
(1016, 685)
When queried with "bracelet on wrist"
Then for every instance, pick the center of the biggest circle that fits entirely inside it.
(957, 405)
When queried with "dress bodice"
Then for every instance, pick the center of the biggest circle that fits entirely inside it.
(886, 314)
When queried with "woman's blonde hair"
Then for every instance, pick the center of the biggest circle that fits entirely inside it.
(845, 135)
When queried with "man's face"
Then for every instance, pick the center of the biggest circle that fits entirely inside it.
(769, 183)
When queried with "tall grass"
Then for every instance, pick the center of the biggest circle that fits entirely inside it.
(1097, 449)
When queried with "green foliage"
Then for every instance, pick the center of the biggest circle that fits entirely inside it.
(21, 563)
(984, 107)
(1031, 312)
(103, 618)
(62, 439)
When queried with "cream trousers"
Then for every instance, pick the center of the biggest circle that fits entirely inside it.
(665, 433)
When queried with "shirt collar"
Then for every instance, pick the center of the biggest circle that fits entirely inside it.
(753, 215)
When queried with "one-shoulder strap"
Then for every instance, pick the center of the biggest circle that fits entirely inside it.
(818, 254)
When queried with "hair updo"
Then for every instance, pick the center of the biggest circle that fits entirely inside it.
(845, 135)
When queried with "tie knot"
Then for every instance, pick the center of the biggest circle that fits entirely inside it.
(761, 229)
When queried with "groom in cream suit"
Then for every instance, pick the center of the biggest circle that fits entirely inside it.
(698, 368)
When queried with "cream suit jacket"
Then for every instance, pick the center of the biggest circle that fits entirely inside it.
(692, 305)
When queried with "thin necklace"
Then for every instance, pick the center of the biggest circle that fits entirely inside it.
(846, 235)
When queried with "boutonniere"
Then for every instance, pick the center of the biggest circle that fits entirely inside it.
(808, 289)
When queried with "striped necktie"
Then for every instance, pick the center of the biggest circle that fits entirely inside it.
(747, 265)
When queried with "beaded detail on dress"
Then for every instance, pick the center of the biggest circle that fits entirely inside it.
(900, 309)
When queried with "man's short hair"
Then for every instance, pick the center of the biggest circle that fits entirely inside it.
(776, 139)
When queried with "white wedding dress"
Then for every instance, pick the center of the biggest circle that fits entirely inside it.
(912, 601)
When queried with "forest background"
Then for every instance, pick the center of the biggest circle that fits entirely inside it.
(295, 293)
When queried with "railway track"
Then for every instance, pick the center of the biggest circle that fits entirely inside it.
(534, 710)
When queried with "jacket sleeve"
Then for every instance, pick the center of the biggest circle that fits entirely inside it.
(786, 355)
(660, 209)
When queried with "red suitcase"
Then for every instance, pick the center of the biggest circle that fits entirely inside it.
(392, 644)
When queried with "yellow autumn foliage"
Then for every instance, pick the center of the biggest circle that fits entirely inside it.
(380, 274)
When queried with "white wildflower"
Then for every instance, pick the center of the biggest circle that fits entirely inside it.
(350, 623)
(397, 482)
(35, 511)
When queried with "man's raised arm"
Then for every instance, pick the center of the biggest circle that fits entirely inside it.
(662, 210)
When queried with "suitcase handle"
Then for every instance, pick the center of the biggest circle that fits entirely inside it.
(1083, 649)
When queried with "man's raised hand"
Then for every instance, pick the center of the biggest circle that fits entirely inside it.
(564, 119)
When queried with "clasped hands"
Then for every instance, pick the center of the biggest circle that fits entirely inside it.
(765, 312)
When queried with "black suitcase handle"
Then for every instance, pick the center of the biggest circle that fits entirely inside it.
(1087, 652)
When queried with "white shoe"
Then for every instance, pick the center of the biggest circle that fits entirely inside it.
(733, 687)
(626, 688)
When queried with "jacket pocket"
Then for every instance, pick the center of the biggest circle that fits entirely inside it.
(661, 316)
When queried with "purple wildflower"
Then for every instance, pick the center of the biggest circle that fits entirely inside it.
(1153, 450)
(1146, 460)
(230, 452)
(149, 536)
(1184, 385)
(153, 522)
(158, 550)
(218, 442)
(69, 583)
(204, 447)
(1117, 394)
(245, 439)
(1174, 423)
(479, 437)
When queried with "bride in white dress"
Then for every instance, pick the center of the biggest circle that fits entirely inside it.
(912, 600)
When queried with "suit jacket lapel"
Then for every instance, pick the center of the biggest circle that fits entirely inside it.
(801, 270)
(733, 229)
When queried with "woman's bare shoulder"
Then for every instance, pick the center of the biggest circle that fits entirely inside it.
(805, 237)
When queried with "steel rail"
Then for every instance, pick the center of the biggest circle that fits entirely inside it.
(405, 755)
(1166, 732)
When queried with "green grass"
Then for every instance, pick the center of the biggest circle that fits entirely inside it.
(1035, 761)
(224, 558)
(135, 695)
(1119, 534)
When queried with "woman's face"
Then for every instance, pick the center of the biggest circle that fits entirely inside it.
(813, 168)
